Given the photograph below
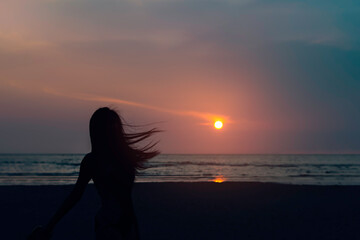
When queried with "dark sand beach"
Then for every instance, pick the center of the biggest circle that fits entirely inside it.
(197, 211)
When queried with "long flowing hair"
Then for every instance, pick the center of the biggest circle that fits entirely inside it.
(109, 139)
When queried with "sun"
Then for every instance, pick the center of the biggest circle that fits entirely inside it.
(218, 124)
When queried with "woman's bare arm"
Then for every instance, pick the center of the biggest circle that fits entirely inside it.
(85, 175)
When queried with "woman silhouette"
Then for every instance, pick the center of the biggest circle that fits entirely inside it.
(112, 164)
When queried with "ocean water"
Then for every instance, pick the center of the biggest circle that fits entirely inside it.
(55, 169)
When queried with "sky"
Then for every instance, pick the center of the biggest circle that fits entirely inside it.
(283, 76)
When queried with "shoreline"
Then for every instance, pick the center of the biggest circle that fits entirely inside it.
(197, 210)
(192, 182)
(209, 182)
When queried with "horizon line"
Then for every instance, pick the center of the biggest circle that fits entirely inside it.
(315, 153)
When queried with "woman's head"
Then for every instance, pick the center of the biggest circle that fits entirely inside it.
(105, 129)
(109, 138)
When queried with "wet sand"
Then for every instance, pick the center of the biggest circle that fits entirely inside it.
(196, 211)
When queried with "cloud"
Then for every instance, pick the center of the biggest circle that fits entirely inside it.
(16, 42)
(208, 117)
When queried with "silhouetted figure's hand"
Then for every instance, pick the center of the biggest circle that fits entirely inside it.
(39, 233)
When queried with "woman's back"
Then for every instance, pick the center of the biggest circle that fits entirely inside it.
(116, 217)
(111, 178)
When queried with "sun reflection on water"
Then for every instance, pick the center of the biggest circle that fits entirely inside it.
(219, 179)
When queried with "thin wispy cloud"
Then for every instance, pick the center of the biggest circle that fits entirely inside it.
(208, 117)
(15, 42)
